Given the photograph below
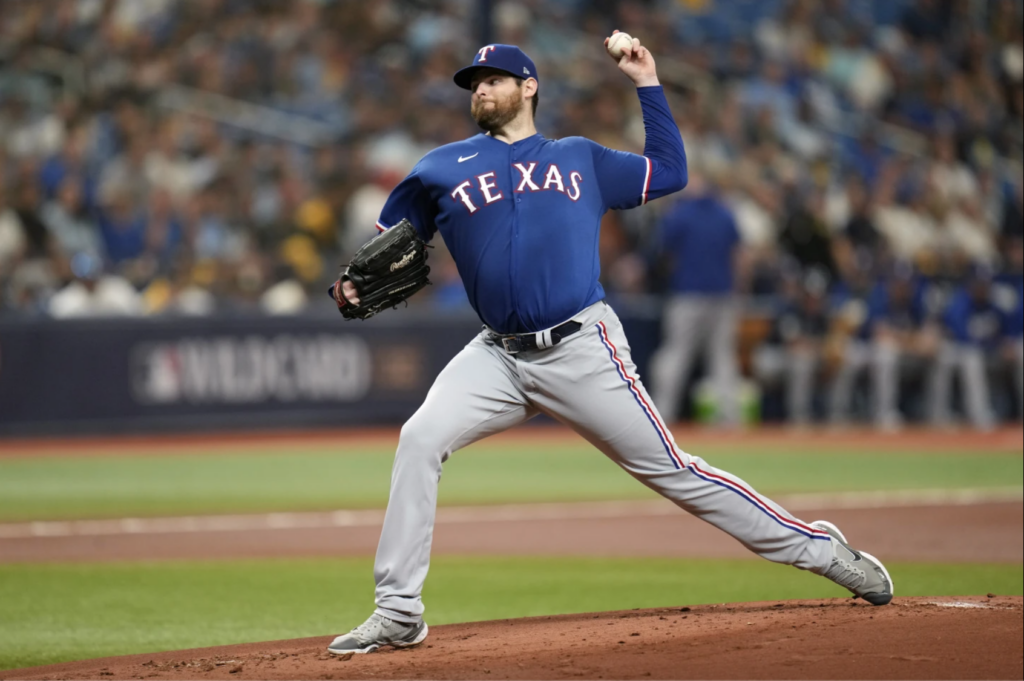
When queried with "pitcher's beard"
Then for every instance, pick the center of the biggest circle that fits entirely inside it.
(496, 118)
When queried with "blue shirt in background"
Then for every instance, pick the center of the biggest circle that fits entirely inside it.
(973, 322)
(901, 317)
(123, 235)
(701, 236)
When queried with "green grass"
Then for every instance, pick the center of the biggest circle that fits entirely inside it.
(311, 478)
(53, 613)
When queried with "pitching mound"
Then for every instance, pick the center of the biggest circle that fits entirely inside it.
(913, 638)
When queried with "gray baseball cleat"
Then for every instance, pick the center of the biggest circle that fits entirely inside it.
(376, 632)
(860, 572)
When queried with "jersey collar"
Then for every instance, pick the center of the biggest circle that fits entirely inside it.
(536, 137)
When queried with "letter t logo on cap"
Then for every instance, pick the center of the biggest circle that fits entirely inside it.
(483, 52)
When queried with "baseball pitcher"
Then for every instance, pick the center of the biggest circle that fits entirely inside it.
(520, 214)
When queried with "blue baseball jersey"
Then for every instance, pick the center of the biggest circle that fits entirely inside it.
(702, 237)
(883, 310)
(910, 315)
(522, 220)
(973, 322)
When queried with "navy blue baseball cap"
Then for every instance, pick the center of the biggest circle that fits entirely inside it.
(507, 58)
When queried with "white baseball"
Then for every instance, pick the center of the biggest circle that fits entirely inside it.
(617, 42)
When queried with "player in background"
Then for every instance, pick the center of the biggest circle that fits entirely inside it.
(520, 215)
(803, 329)
(700, 236)
(976, 327)
(898, 339)
(1010, 294)
(792, 356)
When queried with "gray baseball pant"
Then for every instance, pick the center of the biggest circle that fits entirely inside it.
(692, 324)
(801, 371)
(588, 382)
(856, 359)
(794, 368)
(969, 362)
(887, 363)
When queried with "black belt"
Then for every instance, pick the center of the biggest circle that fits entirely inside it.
(536, 341)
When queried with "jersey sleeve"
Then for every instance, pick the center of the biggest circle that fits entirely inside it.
(628, 180)
(623, 178)
(410, 200)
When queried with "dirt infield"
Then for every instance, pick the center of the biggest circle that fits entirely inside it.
(1009, 439)
(989, 532)
(920, 638)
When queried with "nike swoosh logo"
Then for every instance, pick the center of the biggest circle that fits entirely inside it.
(466, 158)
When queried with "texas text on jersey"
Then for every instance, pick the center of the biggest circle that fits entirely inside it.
(522, 220)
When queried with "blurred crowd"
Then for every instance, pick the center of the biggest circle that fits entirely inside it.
(206, 157)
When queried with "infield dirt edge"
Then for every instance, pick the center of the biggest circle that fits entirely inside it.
(940, 637)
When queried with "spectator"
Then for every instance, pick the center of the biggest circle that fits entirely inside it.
(924, 20)
(952, 178)
(805, 234)
(126, 174)
(803, 137)
(768, 93)
(93, 293)
(214, 236)
(287, 296)
(12, 236)
(123, 227)
(364, 209)
(968, 237)
(859, 240)
(69, 160)
(701, 238)
(165, 167)
(184, 291)
(69, 223)
(908, 226)
(858, 71)
(866, 158)
(1013, 214)
(26, 209)
(164, 228)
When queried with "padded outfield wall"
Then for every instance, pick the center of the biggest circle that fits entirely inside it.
(237, 373)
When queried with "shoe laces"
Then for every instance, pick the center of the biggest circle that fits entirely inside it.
(845, 574)
(365, 632)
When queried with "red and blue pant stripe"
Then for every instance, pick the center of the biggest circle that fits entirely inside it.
(679, 463)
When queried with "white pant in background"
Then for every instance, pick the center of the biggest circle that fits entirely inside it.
(887, 364)
(692, 324)
(970, 363)
(796, 369)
